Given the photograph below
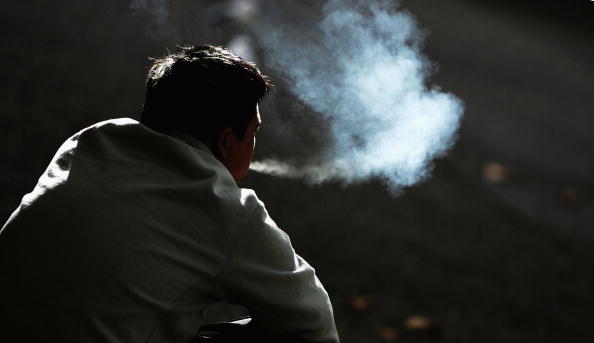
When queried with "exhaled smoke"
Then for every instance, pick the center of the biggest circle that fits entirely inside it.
(316, 173)
(362, 70)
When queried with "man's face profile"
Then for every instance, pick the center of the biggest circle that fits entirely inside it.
(235, 153)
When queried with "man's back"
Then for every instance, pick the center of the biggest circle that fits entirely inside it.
(130, 234)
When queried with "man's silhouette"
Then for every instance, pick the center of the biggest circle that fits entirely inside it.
(136, 227)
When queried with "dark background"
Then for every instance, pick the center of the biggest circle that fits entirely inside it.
(497, 246)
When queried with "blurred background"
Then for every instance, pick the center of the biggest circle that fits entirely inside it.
(497, 245)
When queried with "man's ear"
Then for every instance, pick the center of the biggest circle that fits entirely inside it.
(223, 143)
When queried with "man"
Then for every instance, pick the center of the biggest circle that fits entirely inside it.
(136, 228)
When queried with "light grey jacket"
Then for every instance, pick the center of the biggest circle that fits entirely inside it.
(130, 234)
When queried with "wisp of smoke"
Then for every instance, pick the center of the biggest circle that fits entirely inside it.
(362, 70)
(160, 26)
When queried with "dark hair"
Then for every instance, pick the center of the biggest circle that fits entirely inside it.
(201, 91)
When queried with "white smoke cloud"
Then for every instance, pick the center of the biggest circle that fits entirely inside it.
(362, 70)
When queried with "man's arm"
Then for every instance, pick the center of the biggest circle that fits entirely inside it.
(278, 287)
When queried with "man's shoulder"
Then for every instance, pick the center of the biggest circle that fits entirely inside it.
(123, 121)
(117, 126)
(126, 148)
(123, 153)
(133, 142)
(109, 125)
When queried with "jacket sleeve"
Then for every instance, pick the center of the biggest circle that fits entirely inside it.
(277, 286)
